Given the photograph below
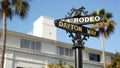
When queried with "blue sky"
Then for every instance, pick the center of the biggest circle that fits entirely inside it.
(59, 8)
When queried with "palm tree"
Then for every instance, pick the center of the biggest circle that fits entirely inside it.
(8, 8)
(106, 27)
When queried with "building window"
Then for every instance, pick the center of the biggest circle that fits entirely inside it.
(65, 52)
(0, 36)
(32, 45)
(23, 67)
(50, 33)
(20, 67)
(94, 57)
(61, 51)
(25, 43)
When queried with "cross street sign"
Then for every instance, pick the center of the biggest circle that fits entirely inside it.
(81, 20)
(75, 28)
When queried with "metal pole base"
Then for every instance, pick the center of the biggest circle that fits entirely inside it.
(78, 56)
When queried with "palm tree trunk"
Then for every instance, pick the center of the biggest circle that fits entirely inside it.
(103, 51)
(3, 39)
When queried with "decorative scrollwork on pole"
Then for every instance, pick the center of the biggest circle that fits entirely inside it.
(77, 37)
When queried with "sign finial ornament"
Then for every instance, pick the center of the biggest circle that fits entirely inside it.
(77, 12)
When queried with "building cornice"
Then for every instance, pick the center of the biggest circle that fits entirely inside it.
(27, 51)
(54, 42)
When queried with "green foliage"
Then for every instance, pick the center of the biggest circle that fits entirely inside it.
(115, 62)
(14, 7)
(71, 66)
(61, 64)
(107, 26)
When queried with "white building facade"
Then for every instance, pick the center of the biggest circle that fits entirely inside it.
(41, 48)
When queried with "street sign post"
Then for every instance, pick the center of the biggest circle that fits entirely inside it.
(73, 24)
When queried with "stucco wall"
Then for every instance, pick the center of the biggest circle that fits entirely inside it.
(13, 41)
(48, 48)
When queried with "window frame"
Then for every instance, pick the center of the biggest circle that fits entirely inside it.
(31, 45)
(94, 57)
(65, 51)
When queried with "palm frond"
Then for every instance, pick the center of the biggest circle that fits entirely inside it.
(108, 15)
(94, 13)
(105, 19)
(10, 13)
(106, 27)
(21, 7)
(95, 26)
(24, 10)
(110, 28)
(101, 12)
